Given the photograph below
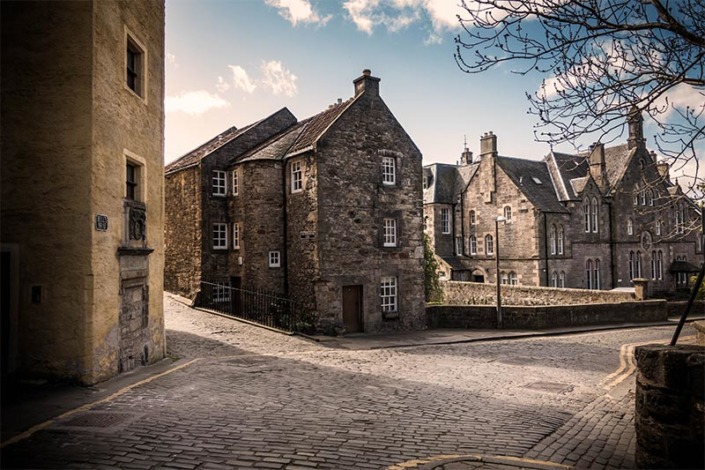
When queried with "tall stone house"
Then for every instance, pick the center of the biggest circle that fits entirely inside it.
(82, 188)
(593, 220)
(326, 211)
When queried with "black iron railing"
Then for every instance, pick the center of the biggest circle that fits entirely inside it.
(255, 305)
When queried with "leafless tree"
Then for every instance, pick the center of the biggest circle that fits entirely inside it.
(599, 58)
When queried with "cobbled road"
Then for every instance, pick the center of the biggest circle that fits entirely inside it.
(248, 397)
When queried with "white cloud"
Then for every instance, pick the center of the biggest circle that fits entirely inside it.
(278, 79)
(222, 86)
(194, 102)
(395, 15)
(242, 80)
(171, 59)
(298, 11)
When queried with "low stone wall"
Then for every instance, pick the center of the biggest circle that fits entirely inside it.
(670, 406)
(474, 293)
(543, 317)
(676, 308)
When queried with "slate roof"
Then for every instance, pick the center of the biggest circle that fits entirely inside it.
(564, 168)
(276, 147)
(442, 187)
(317, 125)
(616, 161)
(679, 266)
(465, 175)
(525, 174)
(196, 155)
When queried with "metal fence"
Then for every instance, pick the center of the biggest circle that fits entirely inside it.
(255, 305)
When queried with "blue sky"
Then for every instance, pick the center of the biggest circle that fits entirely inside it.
(233, 62)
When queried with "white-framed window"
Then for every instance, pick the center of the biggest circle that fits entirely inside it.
(681, 277)
(219, 183)
(630, 227)
(296, 177)
(595, 215)
(659, 264)
(473, 245)
(586, 214)
(389, 171)
(275, 259)
(508, 213)
(472, 217)
(388, 293)
(589, 273)
(632, 265)
(489, 245)
(504, 278)
(221, 292)
(236, 236)
(513, 281)
(638, 264)
(642, 197)
(653, 265)
(554, 279)
(235, 183)
(445, 221)
(561, 239)
(553, 240)
(561, 279)
(650, 197)
(658, 227)
(390, 232)
(220, 236)
(459, 245)
(698, 242)
(636, 195)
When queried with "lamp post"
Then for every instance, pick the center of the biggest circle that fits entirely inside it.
(496, 255)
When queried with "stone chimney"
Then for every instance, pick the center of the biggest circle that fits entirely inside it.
(366, 84)
(488, 145)
(663, 168)
(597, 161)
(636, 128)
(466, 157)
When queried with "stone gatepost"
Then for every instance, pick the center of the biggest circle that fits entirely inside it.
(670, 406)
(641, 288)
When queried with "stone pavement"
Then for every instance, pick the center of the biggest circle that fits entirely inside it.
(244, 397)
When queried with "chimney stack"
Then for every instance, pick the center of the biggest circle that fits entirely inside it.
(636, 128)
(597, 161)
(488, 145)
(366, 84)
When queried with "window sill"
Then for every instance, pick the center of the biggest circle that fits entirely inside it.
(390, 315)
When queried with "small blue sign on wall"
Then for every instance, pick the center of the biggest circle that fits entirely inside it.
(101, 223)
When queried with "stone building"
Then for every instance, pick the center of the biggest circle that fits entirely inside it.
(595, 220)
(82, 188)
(326, 211)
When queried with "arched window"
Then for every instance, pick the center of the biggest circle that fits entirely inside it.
(595, 215)
(631, 265)
(653, 265)
(561, 279)
(699, 242)
(630, 227)
(650, 197)
(508, 213)
(638, 264)
(513, 278)
(588, 273)
(642, 196)
(658, 227)
(489, 245)
(504, 278)
(636, 195)
(659, 264)
(554, 279)
(473, 245)
(597, 279)
(472, 217)
(561, 239)
(552, 239)
(586, 213)
(680, 218)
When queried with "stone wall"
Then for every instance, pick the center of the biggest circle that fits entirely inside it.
(472, 293)
(543, 317)
(670, 406)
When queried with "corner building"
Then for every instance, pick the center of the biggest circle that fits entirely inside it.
(82, 188)
(326, 211)
(594, 220)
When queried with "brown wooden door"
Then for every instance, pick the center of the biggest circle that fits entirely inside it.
(352, 309)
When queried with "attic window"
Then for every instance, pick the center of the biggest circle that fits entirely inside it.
(536, 180)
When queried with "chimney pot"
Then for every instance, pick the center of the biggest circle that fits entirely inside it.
(367, 72)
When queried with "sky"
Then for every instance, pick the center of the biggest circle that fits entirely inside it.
(234, 62)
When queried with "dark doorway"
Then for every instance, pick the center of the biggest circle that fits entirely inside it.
(352, 309)
(477, 276)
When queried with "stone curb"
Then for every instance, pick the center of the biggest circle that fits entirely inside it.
(512, 462)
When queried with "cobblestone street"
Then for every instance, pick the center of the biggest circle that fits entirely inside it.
(248, 397)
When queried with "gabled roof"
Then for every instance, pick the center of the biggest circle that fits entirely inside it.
(564, 168)
(465, 175)
(274, 148)
(443, 183)
(193, 157)
(616, 161)
(317, 126)
(533, 179)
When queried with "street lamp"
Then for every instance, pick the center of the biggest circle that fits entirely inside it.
(497, 220)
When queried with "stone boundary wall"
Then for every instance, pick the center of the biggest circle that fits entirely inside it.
(543, 317)
(475, 293)
(670, 406)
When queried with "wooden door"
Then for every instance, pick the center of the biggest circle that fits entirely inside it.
(352, 309)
